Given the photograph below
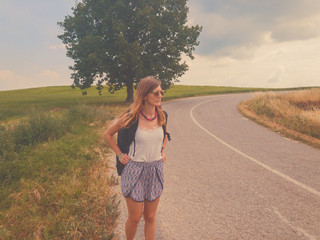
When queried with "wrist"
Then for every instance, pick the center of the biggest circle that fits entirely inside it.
(121, 155)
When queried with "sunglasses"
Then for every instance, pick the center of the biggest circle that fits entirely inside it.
(158, 93)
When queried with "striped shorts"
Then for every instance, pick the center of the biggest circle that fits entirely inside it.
(142, 180)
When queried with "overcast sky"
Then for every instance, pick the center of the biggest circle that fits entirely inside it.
(246, 43)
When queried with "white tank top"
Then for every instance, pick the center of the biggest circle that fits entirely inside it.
(148, 145)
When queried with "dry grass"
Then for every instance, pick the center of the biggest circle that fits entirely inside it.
(304, 99)
(84, 208)
(77, 205)
(294, 114)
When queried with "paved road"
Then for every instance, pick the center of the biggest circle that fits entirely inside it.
(226, 177)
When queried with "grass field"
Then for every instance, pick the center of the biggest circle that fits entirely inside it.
(54, 161)
(17, 103)
(294, 114)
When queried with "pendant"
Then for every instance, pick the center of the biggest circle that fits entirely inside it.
(149, 119)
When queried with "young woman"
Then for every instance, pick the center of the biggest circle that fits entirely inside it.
(142, 176)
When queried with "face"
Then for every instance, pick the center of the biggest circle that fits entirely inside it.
(154, 97)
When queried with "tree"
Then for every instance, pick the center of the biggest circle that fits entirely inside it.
(118, 42)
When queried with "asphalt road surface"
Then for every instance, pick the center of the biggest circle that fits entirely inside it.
(227, 177)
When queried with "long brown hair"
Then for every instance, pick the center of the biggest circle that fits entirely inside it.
(145, 86)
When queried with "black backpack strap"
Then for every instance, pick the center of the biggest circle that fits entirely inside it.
(164, 126)
(166, 115)
(166, 133)
(125, 138)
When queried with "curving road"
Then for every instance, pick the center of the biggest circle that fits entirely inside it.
(227, 177)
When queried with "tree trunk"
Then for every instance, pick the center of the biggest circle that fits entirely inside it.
(129, 92)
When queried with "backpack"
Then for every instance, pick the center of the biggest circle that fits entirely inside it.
(127, 135)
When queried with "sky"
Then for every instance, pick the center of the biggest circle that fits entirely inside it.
(244, 43)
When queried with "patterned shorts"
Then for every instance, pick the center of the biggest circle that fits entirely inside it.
(142, 180)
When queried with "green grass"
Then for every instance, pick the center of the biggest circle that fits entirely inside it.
(44, 188)
(180, 91)
(17, 103)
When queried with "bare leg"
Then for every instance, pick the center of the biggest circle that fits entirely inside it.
(134, 216)
(149, 215)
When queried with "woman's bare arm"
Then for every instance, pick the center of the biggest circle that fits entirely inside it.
(164, 143)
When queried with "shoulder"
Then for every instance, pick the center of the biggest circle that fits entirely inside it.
(122, 118)
(128, 121)
(118, 123)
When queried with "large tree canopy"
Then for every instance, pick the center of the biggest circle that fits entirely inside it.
(118, 42)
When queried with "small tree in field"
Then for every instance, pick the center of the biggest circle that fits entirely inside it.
(118, 42)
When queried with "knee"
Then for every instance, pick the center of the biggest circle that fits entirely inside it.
(150, 218)
(135, 219)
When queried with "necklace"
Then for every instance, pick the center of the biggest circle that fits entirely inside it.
(149, 119)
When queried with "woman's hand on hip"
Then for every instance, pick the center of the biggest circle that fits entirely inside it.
(125, 159)
(164, 157)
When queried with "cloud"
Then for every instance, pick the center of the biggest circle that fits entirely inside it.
(56, 47)
(234, 28)
(48, 75)
(306, 27)
(10, 80)
(276, 64)
(6, 75)
(277, 76)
